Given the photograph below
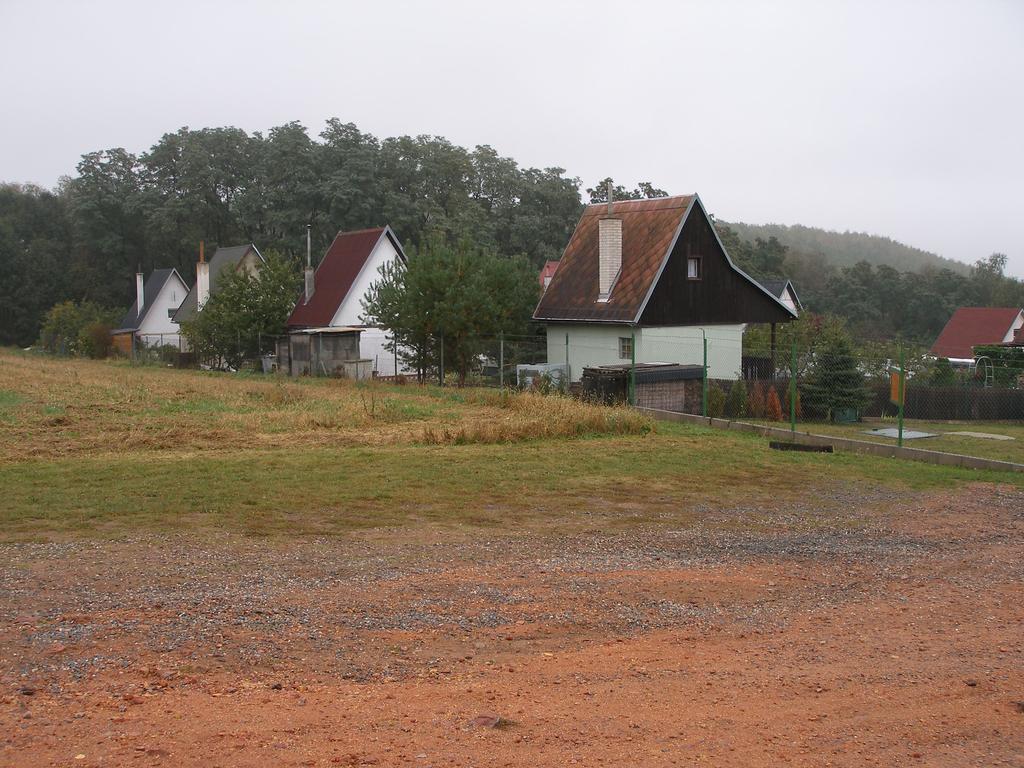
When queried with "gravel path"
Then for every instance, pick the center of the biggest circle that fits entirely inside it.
(100, 639)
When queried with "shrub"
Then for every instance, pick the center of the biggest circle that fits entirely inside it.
(66, 328)
(716, 402)
(736, 401)
(942, 374)
(95, 340)
(772, 406)
(756, 401)
(1007, 363)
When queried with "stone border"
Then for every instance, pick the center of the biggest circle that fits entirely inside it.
(840, 443)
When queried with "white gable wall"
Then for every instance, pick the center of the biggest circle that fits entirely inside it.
(1016, 326)
(789, 300)
(350, 312)
(157, 322)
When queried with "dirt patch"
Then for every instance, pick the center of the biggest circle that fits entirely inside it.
(889, 634)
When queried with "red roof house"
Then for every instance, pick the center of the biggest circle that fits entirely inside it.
(971, 326)
(546, 273)
(345, 273)
(331, 302)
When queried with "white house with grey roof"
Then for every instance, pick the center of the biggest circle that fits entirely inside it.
(236, 258)
(150, 320)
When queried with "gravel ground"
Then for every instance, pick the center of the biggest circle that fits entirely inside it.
(865, 626)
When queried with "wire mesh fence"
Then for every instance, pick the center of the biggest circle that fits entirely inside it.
(155, 348)
(718, 371)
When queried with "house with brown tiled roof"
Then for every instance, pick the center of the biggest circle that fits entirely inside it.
(646, 281)
(972, 326)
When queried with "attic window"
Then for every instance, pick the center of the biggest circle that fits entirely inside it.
(693, 268)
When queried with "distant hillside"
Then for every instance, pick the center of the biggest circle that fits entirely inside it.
(843, 249)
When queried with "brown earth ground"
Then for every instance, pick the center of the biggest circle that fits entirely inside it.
(865, 628)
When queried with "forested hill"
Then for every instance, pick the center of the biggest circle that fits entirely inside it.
(844, 249)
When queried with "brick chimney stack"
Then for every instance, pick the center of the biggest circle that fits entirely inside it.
(609, 250)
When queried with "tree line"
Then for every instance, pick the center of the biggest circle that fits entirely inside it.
(880, 302)
(84, 240)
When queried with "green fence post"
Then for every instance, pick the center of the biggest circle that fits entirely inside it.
(501, 359)
(565, 384)
(440, 374)
(704, 384)
(792, 390)
(902, 388)
(632, 368)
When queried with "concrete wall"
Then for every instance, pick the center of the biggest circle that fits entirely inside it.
(382, 360)
(685, 345)
(598, 344)
(589, 345)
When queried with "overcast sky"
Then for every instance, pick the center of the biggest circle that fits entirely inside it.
(903, 119)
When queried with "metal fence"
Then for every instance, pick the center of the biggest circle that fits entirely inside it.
(818, 383)
(719, 371)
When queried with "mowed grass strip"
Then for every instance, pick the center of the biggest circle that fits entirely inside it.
(594, 483)
(950, 437)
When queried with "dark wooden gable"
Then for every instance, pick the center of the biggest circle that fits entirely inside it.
(722, 295)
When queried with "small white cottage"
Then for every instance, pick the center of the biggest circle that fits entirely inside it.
(150, 321)
(334, 291)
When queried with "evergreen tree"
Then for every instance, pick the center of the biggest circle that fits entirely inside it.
(736, 400)
(835, 380)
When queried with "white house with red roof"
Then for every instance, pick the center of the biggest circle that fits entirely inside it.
(546, 273)
(334, 292)
(973, 326)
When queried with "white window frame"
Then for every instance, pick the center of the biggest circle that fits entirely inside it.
(626, 345)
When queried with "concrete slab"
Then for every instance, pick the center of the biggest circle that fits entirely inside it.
(894, 433)
(983, 435)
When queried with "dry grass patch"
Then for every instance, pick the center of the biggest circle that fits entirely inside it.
(54, 408)
(528, 416)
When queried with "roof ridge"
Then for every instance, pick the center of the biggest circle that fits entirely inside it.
(669, 203)
(360, 231)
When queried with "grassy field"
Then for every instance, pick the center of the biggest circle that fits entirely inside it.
(950, 437)
(103, 448)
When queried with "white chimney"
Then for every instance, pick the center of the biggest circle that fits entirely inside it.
(140, 294)
(202, 279)
(609, 244)
(310, 284)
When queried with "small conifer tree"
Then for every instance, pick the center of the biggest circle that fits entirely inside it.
(736, 401)
(772, 406)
